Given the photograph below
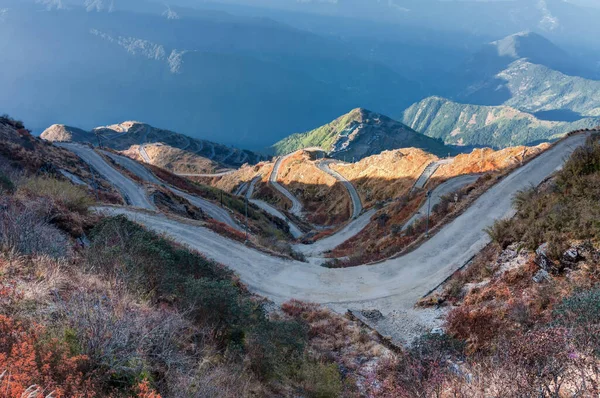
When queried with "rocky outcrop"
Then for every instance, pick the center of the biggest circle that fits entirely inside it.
(63, 133)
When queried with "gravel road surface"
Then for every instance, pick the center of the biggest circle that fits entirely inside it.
(134, 193)
(356, 202)
(390, 285)
(296, 205)
(445, 188)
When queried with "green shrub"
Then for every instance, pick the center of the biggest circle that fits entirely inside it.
(71, 196)
(276, 348)
(210, 295)
(322, 380)
(580, 309)
(501, 233)
(6, 184)
(221, 306)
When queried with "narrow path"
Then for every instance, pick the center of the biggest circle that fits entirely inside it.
(242, 157)
(134, 167)
(212, 210)
(252, 186)
(187, 145)
(134, 194)
(429, 171)
(142, 147)
(331, 242)
(241, 189)
(395, 284)
(445, 188)
(230, 154)
(212, 151)
(356, 202)
(221, 174)
(73, 178)
(294, 230)
(296, 205)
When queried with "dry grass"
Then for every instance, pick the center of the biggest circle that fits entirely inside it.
(325, 200)
(487, 160)
(73, 197)
(174, 159)
(386, 176)
(337, 339)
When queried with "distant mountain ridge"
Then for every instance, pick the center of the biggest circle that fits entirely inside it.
(496, 126)
(361, 133)
(196, 154)
(498, 55)
(516, 90)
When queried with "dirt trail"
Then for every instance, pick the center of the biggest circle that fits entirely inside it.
(390, 285)
(133, 193)
(212, 210)
(296, 205)
(356, 202)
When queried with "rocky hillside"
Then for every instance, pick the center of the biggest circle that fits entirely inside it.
(177, 152)
(497, 126)
(359, 134)
(62, 133)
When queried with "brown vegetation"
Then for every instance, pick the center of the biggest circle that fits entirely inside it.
(487, 160)
(386, 176)
(384, 237)
(325, 200)
(174, 159)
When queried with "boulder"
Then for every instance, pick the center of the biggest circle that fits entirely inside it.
(541, 257)
(438, 331)
(373, 315)
(542, 276)
(570, 258)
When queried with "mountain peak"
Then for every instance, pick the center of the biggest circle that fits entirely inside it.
(64, 133)
(358, 134)
(527, 44)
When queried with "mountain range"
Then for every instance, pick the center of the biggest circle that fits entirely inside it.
(496, 126)
(359, 134)
(167, 149)
(248, 75)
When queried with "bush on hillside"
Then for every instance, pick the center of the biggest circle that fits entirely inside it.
(564, 209)
(32, 364)
(25, 228)
(73, 197)
(210, 295)
(6, 184)
(501, 232)
(582, 308)
(276, 348)
(6, 119)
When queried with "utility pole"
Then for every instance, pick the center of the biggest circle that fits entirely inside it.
(221, 198)
(246, 201)
(428, 212)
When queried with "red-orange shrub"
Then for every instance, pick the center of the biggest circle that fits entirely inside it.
(29, 362)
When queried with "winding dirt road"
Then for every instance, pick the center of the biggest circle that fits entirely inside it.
(296, 205)
(445, 188)
(134, 194)
(356, 202)
(142, 147)
(429, 171)
(392, 284)
(212, 210)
